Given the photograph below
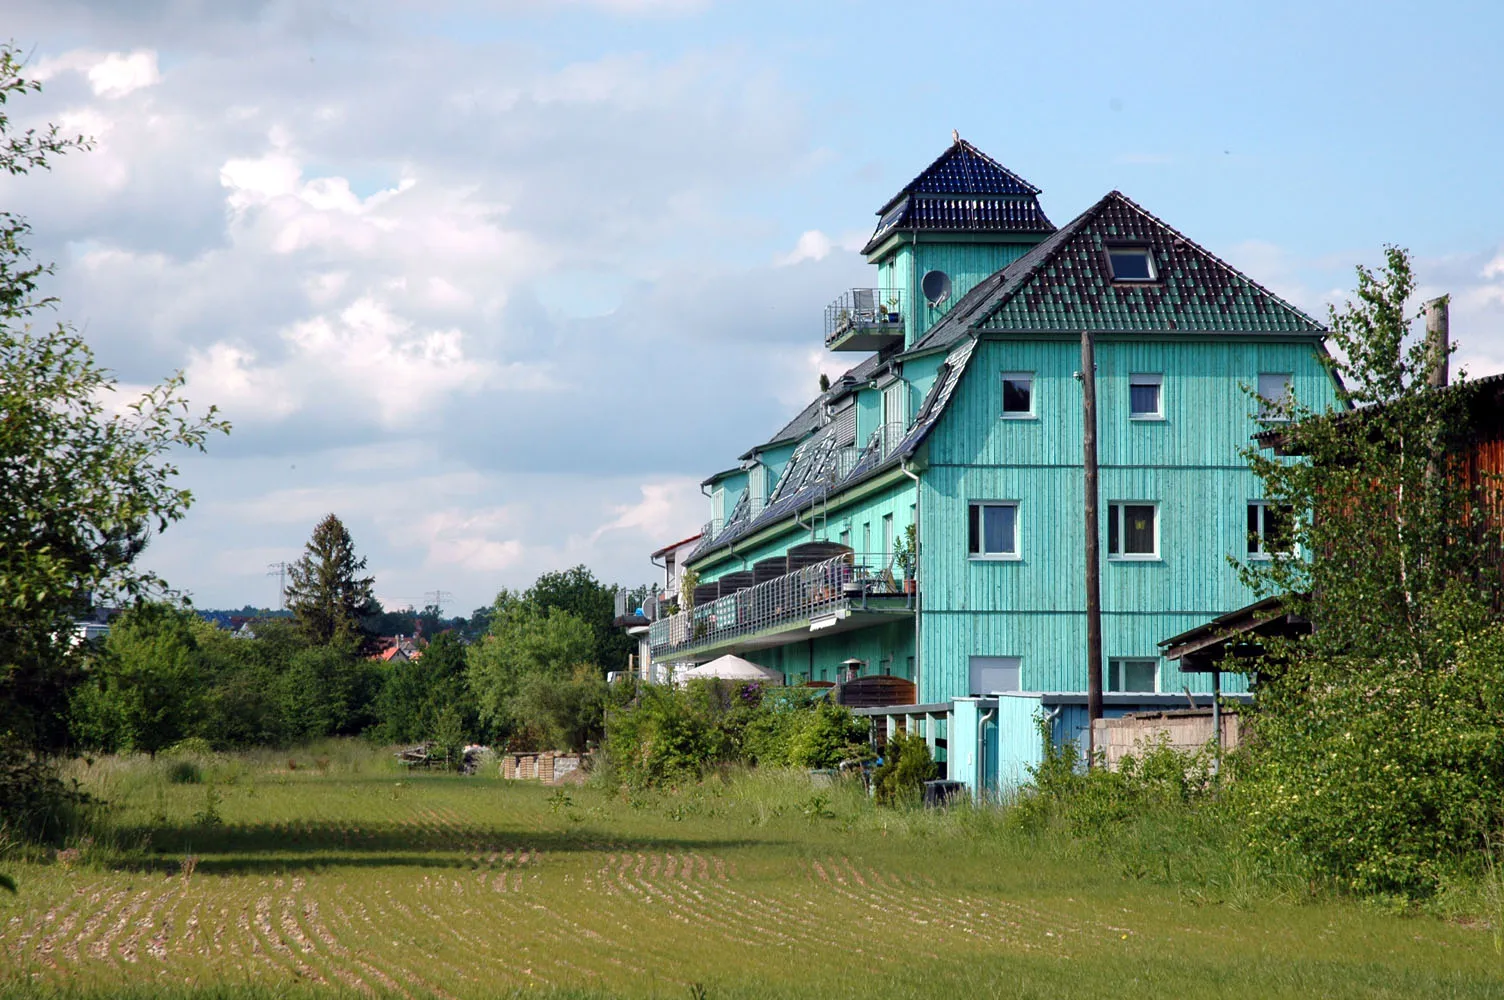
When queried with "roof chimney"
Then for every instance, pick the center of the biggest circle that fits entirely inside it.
(1438, 338)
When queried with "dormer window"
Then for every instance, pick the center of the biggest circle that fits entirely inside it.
(1133, 264)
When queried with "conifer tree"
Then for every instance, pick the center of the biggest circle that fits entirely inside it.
(325, 592)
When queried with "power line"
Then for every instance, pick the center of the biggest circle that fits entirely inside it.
(279, 570)
(437, 599)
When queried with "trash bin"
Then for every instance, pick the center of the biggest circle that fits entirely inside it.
(941, 793)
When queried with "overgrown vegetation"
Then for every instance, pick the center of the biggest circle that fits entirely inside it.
(341, 875)
(82, 489)
(658, 735)
(1378, 759)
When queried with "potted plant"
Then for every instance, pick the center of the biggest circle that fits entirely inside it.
(892, 311)
(906, 555)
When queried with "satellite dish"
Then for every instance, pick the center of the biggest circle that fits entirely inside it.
(936, 287)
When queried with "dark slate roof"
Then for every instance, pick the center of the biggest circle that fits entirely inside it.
(822, 467)
(964, 190)
(812, 417)
(1064, 284)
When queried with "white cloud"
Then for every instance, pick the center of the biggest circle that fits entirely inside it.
(812, 245)
(111, 75)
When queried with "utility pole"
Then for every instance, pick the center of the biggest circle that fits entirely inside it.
(1438, 337)
(279, 570)
(436, 598)
(1093, 557)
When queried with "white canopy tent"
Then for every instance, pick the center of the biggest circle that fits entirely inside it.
(730, 668)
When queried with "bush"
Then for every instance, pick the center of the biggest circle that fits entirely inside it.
(184, 772)
(665, 735)
(1091, 803)
(1388, 802)
(906, 766)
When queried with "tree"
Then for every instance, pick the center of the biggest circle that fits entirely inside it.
(1379, 754)
(415, 693)
(525, 641)
(146, 690)
(324, 592)
(82, 489)
(577, 591)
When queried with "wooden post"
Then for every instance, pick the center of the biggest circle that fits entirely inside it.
(1093, 563)
(1438, 338)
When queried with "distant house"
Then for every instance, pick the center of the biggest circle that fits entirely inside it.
(93, 625)
(396, 649)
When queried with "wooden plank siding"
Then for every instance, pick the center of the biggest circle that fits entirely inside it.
(1189, 463)
(966, 263)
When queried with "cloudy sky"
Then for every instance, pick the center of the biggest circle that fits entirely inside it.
(500, 281)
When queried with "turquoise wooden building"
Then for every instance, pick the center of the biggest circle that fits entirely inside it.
(963, 418)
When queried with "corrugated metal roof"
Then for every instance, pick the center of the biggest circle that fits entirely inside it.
(963, 190)
(1065, 283)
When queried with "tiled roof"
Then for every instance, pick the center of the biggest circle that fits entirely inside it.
(964, 190)
(1064, 284)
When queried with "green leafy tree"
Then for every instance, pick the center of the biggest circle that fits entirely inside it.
(1378, 762)
(565, 713)
(82, 488)
(578, 592)
(415, 693)
(525, 641)
(325, 592)
(147, 688)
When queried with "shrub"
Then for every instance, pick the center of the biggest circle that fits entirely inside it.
(667, 735)
(1380, 802)
(1090, 803)
(184, 772)
(906, 766)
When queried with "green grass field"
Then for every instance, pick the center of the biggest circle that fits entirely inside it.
(347, 877)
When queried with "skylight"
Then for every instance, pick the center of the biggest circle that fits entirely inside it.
(1132, 264)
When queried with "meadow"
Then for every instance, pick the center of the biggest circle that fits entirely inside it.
(330, 871)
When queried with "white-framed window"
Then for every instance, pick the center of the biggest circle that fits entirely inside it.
(1132, 529)
(1269, 527)
(717, 509)
(1274, 389)
(995, 673)
(1132, 263)
(1132, 673)
(992, 530)
(887, 539)
(1018, 395)
(896, 406)
(1146, 396)
(867, 538)
(757, 488)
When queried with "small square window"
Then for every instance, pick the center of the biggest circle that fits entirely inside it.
(990, 674)
(1132, 264)
(1018, 394)
(1270, 529)
(1144, 397)
(1133, 530)
(992, 531)
(1138, 675)
(1274, 391)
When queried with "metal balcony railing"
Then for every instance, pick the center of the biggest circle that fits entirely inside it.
(865, 309)
(842, 582)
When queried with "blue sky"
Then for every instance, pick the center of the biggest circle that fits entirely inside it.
(500, 282)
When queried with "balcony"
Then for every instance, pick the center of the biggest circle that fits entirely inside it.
(837, 594)
(864, 319)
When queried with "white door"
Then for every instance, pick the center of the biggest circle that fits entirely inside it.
(995, 673)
